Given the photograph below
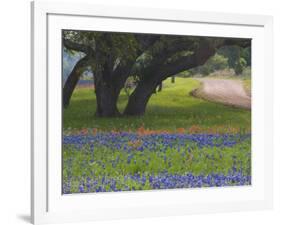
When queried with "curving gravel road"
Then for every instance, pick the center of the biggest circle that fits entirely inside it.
(228, 92)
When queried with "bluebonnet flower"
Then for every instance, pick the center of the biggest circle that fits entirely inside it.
(103, 179)
(81, 189)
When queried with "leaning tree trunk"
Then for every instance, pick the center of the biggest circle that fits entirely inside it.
(139, 98)
(161, 70)
(160, 87)
(72, 80)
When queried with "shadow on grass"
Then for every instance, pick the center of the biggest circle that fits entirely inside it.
(81, 113)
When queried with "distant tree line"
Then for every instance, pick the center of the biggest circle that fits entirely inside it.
(228, 57)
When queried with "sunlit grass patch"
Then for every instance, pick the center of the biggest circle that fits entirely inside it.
(171, 108)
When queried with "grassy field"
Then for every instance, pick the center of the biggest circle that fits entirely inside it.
(170, 109)
(180, 142)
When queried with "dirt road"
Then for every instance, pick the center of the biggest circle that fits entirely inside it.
(228, 92)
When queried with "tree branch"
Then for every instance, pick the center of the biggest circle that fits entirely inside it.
(243, 43)
(77, 47)
(198, 58)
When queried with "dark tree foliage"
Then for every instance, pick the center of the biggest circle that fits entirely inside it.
(238, 57)
(149, 59)
(169, 56)
(111, 57)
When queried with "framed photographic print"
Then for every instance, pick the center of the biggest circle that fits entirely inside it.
(147, 112)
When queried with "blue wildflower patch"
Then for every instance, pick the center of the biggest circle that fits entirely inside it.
(126, 161)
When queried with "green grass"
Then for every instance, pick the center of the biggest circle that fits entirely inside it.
(110, 158)
(247, 86)
(116, 160)
(169, 109)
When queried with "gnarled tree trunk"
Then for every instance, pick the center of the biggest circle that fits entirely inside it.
(72, 80)
(158, 72)
(108, 85)
(106, 98)
(160, 86)
(139, 98)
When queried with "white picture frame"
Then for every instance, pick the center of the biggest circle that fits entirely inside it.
(48, 205)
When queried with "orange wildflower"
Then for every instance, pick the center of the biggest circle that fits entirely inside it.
(94, 131)
(194, 129)
(181, 130)
(84, 131)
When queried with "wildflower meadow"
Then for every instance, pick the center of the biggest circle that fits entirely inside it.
(122, 154)
(131, 120)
